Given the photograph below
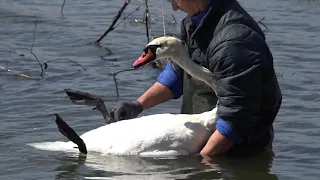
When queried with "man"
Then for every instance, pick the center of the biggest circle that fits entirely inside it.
(221, 36)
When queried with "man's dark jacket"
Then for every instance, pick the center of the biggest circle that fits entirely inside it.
(230, 43)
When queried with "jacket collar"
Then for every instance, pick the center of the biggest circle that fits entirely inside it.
(196, 19)
(210, 17)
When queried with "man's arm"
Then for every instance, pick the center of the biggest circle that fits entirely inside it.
(156, 94)
(168, 86)
(217, 144)
(238, 71)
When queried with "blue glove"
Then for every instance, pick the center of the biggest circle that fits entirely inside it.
(126, 110)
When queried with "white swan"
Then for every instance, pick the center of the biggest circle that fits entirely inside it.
(153, 135)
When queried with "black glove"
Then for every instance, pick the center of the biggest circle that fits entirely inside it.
(126, 110)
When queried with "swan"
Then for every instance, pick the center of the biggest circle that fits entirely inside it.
(152, 135)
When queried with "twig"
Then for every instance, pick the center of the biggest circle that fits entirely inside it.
(64, 2)
(44, 66)
(260, 22)
(147, 20)
(174, 19)
(115, 80)
(34, 34)
(163, 24)
(114, 20)
(63, 59)
(124, 70)
(127, 16)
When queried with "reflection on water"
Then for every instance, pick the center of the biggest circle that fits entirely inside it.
(95, 166)
(257, 167)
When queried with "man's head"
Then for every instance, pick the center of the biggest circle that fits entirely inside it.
(191, 7)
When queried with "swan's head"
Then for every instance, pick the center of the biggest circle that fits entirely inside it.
(159, 48)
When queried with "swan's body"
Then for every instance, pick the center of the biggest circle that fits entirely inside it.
(159, 134)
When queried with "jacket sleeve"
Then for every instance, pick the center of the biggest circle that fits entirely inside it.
(172, 74)
(237, 67)
(172, 80)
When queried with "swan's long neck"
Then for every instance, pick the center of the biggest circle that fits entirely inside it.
(197, 71)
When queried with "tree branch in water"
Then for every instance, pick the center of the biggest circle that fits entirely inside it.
(63, 59)
(34, 34)
(147, 18)
(64, 2)
(127, 16)
(44, 66)
(114, 20)
(260, 22)
(115, 80)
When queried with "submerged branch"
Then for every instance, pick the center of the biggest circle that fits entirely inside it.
(114, 20)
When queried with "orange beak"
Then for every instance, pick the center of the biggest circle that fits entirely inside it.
(144, 59)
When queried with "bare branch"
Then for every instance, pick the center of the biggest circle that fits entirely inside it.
(64, 59)
(115, 80)
(34, 34)
(124, 70)
(163, 24)
(64, 2)
(127, 16)
(260, 22)
(114, 21)
(174, 19)
(147, 18)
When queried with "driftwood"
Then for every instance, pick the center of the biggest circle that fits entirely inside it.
(14, 72)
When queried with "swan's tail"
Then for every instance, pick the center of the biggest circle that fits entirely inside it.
(68, 132)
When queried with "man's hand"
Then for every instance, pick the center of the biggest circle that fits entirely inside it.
(126, 110)
(217, 144)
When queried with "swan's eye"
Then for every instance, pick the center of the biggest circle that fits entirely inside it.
(153, 49)
(145, 52)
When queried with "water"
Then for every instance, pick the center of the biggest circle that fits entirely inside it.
(27, 105)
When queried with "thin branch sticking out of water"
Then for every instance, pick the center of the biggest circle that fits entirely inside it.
(147, 18)
(174, 19)
(127, 16)
(115, 80)
(260, 22)
(114, 20)
(64, 2)
(63, 59)
(44, 66)
(34, 34)
(163, 24)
